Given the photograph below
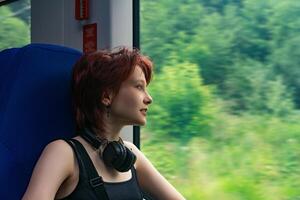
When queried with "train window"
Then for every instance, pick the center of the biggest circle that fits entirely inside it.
(224, 122)
(14, 23)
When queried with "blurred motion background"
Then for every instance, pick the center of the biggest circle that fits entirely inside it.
(224, 123)
(225, 120)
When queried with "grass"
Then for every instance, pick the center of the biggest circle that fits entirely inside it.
(250, 158)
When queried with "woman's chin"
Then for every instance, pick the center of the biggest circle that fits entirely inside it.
(140, 123)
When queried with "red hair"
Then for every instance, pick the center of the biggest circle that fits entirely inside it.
(101, 72)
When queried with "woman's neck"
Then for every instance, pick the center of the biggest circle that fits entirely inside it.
(109, 134)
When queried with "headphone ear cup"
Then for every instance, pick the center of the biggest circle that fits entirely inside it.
(129, 161)
(114, 154)
(120, 159)
(118, 156)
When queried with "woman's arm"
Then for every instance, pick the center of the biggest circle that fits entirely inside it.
(53, 167)
(151, 181)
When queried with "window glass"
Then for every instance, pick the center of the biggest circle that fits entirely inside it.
(224, 122)
(15, 24)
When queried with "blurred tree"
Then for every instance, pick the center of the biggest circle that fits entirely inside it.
(14, 32)
(216, 34)
(285, 26)
(286, 63)
(211, 48)
(255, 88)
(219, 5)
(163, 22)
(21, 9)
(183, 103)
(253, 36)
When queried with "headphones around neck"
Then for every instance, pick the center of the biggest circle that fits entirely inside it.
(114, 154)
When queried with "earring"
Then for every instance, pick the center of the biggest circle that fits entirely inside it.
(108, 110)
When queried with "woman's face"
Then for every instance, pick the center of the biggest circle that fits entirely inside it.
(132, 97)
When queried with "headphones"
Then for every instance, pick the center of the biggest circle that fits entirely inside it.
(114, 154)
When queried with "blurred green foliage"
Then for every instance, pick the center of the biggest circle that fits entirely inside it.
(185, 106)
(224, 123)
(14, 24)
(247, 157)
(248, 34)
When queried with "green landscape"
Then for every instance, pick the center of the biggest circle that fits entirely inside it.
(224, 122)
(15, 24)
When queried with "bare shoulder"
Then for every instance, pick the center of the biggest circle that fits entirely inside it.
(133, 148)
(59, 145)
(62, 152)
(130, 145)
(55, 164)
(59, 149)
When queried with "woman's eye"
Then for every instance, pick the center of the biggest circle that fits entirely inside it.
(141, 87)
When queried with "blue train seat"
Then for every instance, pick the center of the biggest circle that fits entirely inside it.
(35, 108)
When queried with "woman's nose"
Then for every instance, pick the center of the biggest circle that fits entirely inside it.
(148, 99)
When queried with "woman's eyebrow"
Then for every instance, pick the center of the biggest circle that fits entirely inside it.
(139, 80)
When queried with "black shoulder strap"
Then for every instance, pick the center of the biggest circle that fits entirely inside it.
(81, 166)
(95, 180)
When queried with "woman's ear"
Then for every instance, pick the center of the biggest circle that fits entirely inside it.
(106, 98)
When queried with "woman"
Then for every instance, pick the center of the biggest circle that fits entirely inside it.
(108, 93)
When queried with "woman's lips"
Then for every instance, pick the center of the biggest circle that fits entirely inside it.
(144, 112)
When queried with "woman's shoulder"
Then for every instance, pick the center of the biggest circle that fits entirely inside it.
(60, 152)
(59, 145)
(53, 167)
(131, 146)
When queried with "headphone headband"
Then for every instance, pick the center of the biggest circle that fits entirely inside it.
(95, 141)
(91, 138)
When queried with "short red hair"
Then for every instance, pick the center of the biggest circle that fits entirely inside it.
(99, 72)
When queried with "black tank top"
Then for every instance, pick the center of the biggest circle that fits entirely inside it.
(127, 190)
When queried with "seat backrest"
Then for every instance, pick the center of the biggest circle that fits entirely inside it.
(35, 108)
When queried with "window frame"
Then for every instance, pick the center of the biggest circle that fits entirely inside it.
(136, 44)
